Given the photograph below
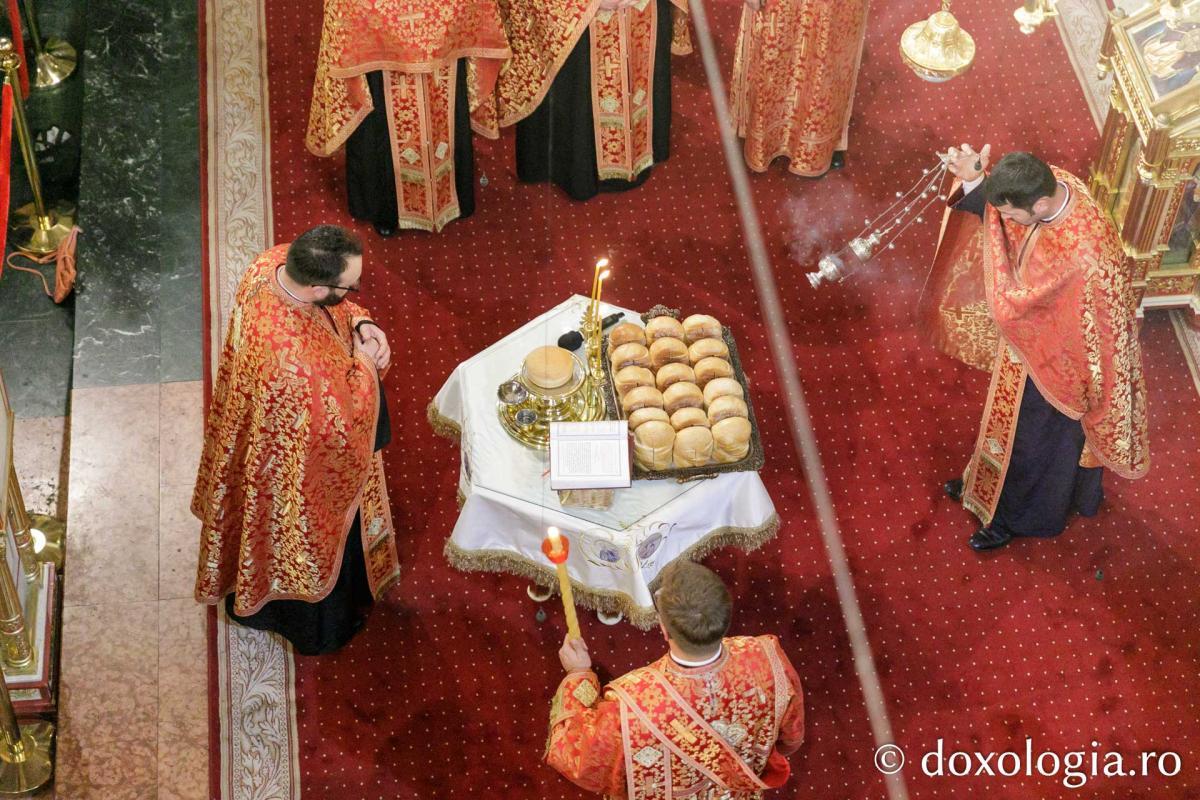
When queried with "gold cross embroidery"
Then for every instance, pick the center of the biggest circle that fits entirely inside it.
(680, 728)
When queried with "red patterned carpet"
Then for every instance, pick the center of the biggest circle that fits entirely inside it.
(1090, 637)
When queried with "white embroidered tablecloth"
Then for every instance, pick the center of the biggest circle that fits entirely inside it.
(615, 554)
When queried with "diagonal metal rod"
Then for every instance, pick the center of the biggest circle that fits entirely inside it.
(797, 409)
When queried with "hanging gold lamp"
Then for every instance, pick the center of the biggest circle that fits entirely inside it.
(937, 49)
(1033, 13)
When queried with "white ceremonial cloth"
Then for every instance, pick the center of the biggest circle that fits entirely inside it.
(509, 503)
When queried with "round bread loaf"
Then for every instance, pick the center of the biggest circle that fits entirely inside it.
(688, 418)
(549, 367)
(674, 373)
(731, 439)
(721, 387)
(659, 327)
(682, 395)
(653, 444)
(630, 355)
(726, 407)
(693, 447)
(668, 350)
(641, 397)
(625, 333)
(710, 368)
(708, 348)
(701, 326)
(631, 378)
(648, 414)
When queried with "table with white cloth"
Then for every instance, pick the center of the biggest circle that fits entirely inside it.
(616, 553)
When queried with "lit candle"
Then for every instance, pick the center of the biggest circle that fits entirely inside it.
(556, 547)
(596, 301)
(601, 264)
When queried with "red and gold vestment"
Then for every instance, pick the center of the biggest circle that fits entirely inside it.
(288, 458)
(542, 33)
(666, 731)
(1053, 302)
(416, 44)
(794, 73)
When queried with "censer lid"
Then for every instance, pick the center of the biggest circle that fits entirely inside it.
(937, 49)
(549, 367)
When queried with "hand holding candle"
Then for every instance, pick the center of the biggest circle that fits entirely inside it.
(556, 547)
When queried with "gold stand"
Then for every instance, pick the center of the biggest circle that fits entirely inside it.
(39, 539)
(593, 387)
(40, 229)
(15, 651)
(25, 763)
(55, 60)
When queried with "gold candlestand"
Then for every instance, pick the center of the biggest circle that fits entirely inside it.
(39, 538)
(38, 228)
(14, 636)
(589, 326)
(55, 60)
(25, 763)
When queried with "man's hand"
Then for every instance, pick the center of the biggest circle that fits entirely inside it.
(574, 655)
(372, 333)
(967, 165)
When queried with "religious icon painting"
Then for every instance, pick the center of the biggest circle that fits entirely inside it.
(601, 552)
(1170, 51)
(651, 543)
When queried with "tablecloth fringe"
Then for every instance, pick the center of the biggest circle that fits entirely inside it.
(608, 601)
(441, 424)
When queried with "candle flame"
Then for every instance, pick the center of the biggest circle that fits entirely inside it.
(602, 263)
(555, 536)
(604, 275)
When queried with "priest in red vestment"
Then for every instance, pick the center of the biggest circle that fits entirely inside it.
(1030, 283)
(713, 718)
(589, 89)
(296, 528)
(794, 73)
(394, 84)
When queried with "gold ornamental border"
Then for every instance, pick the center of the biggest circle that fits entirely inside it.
(442, 425)
(608, 601)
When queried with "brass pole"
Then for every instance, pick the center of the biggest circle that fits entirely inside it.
(55, 59)
(19, 524)
(14, 639)
(31, 25)
(25, 762)
(39, 229)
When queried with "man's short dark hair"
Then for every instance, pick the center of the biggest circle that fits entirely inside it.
(318, 256)
(1019, 180)
(694, 605)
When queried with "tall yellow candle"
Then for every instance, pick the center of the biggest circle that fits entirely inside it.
(556, 548)
(600, 265)
(596, 300)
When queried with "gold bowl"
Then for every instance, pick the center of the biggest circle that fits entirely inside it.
(527, 419)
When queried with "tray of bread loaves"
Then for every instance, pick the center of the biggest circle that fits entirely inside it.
(682, 389)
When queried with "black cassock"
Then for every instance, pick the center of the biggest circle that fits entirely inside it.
(1044, 484)
(557, 142)
(329, 623)
(370, 174)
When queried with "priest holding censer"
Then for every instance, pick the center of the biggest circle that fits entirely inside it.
(1030, 283)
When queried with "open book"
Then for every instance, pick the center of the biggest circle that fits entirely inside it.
(589, 455)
